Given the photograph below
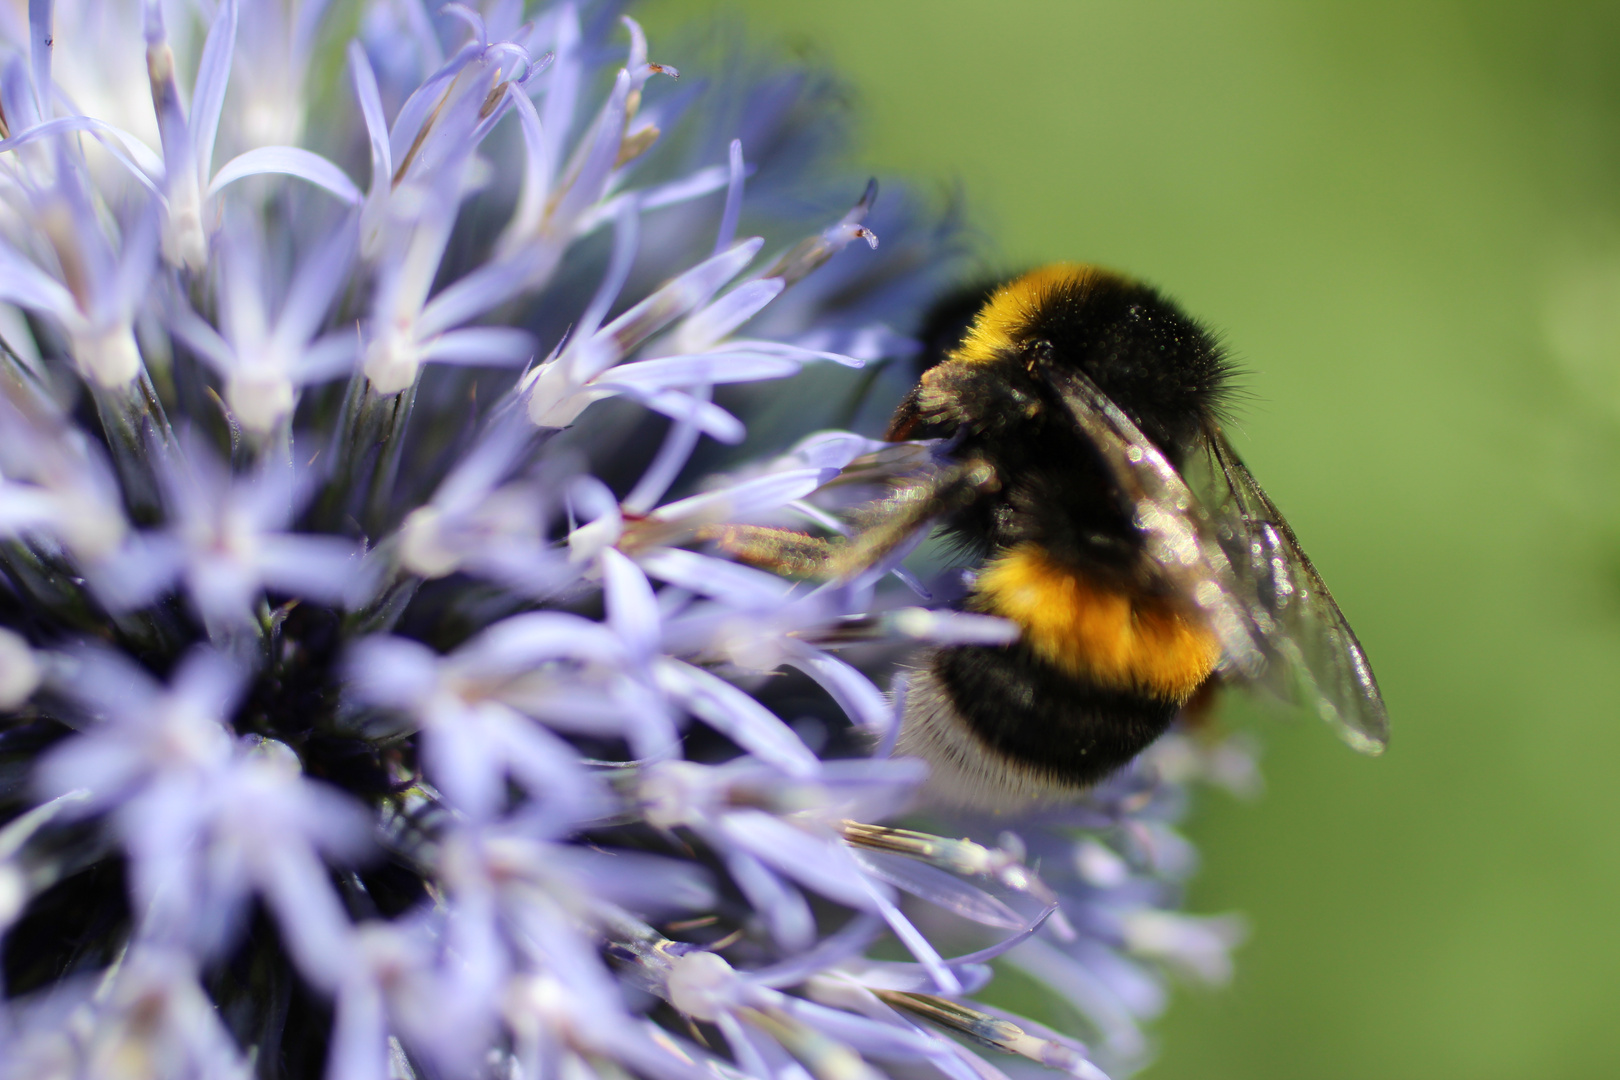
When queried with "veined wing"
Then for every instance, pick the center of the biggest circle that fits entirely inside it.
(1313, 656)
(1180, 534)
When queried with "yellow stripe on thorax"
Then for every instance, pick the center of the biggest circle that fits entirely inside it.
(1108, 637)
(995, 329)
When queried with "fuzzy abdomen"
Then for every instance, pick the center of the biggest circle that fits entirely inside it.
(1098, 674)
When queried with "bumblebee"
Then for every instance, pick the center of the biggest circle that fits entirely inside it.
(1081, 466)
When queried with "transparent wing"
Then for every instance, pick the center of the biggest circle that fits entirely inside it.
(1181, 535)
(1312, 655)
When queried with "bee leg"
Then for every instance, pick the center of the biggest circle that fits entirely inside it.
(881, 527)
(781, 551)
(886, 524)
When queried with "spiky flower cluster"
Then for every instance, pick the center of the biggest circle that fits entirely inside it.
(370, 709)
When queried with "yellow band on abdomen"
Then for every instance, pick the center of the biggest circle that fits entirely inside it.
(1109, 637)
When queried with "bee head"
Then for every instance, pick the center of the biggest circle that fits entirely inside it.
(1153, 360)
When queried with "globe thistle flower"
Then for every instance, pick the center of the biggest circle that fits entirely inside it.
(374, 705)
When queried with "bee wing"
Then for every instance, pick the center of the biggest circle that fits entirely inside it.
(1181, 535)
(1312, 654)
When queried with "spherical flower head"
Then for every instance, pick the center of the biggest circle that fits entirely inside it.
(369, 396)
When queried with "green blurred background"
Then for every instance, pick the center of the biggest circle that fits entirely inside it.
(1405, 219)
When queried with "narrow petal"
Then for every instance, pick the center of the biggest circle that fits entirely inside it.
(676, 450)
(590, 174)
(332, 357)
(531, 202)
(549, 767)
(670, 302)
(527, 640)
(365, 88)
(693, 186)
(734, 190)
(784, 908)
(287, 161)
(1085, 991)
(944, 978)
(213, 73)
(39, 54)
(787, 351)
(861, 701)
(209, 682)
(870, 1037)
(494, 345)
(26, 285)
(643, 883)
(737, 586)
(484, 288)
(562, 92)
(202, 339)
(626, 239)
(835, 449)
(359, 1042)
(298, 889)
(937, 887)
(681, 371)
(24, 507)
(473, 20)
(496, 453)
(391, 671)
(727, 313)
(632, 610)
(132, 277)
(736, 715)
(316, 286)
(989, 953)
(742, 501)
(852, 939)
(420, 107)
(319, 567)
(873, 341)
(706, 416)
(814, 861)
(138, 572)
(131, 152)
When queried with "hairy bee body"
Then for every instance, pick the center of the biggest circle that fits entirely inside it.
(1109, 651)
(1070, 413)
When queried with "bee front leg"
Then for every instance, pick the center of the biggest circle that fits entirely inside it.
(781, 551)
(881, 527)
